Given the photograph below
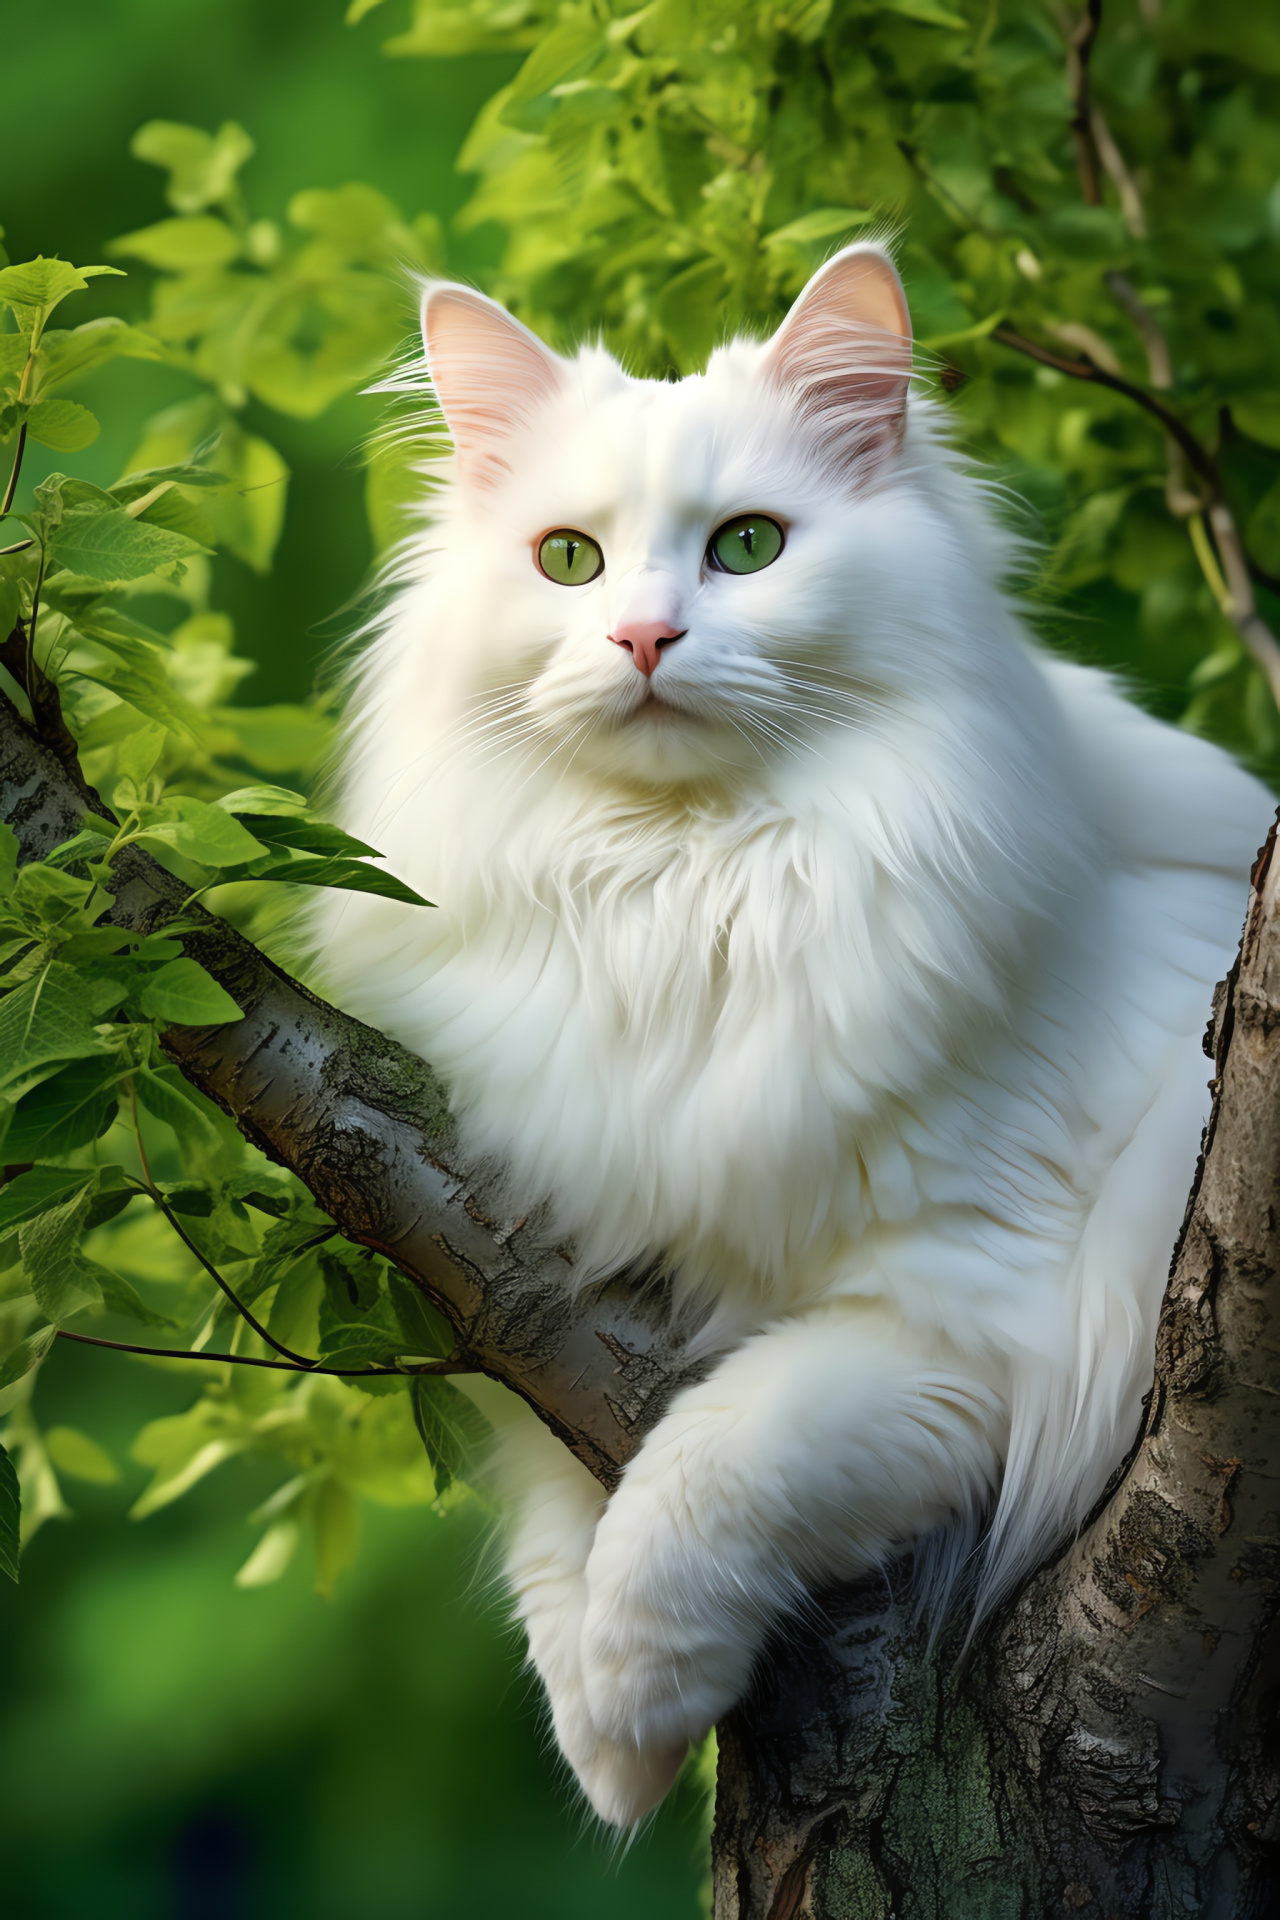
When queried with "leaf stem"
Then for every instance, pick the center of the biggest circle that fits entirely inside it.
(275, 1366)
(155, 1194)
(12, 488)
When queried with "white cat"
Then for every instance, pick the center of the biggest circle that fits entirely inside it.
(801, 921)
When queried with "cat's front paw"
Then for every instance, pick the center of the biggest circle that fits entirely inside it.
(622, 1781)
(661, 1660)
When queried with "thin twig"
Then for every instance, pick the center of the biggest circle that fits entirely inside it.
(1198, 455)
(14, 471)
(155, 1194)
(1131, 208)
(427, 1367)
(1079, 47)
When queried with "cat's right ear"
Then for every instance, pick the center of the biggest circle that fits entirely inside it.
(489, 373)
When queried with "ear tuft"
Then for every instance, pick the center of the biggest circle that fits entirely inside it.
(489, 372)
(844, 354)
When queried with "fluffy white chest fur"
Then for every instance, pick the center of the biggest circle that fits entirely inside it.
(801, 923)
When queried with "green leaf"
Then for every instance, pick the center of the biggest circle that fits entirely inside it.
(27, 1354)
(40, 284)
(928, 11)
(37, 1190)
(308, 836)
(119, 1297)
(166, 1096)
(202, 167)
(272, 1555)
(279, 739)
(452, 1428)
(52, 1018)
(59, 1276)
(183, 994)
(423, 1330)
(68, 1111)
(113, 546)
(280, 801)
(8, 858)
(353, 875)
(186, 245)
(336, 1520)
(10, 1516)
(64, 425)
(819, 225)
(199, 831)
(75, 1453)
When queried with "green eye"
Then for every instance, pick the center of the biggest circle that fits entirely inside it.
(745, 545)
(570, 558)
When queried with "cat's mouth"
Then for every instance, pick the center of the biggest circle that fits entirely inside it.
(654, 707)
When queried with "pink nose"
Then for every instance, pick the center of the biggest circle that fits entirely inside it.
(645, 639)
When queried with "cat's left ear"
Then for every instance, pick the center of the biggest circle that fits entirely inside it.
(489, 372)
(843, 353)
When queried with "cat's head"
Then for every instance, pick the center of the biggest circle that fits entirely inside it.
(667, 581)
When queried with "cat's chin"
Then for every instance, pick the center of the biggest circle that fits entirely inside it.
(660, 745)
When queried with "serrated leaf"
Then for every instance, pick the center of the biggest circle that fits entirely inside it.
(59, 1276)
(37, 1190)
(52, 1018)
(41, 284)
(27, 1354)
(113, 546)
(67, 1111)
(119, 1297)
(452, 1428)
(64, 425)
(166, 1097)
(10, 1516)
(423, 1330)
(183, 994)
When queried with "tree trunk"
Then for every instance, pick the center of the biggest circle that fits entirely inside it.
(1108, 1743)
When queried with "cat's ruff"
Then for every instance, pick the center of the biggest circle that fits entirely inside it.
(849, 951)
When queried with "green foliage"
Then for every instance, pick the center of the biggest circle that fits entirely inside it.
(663, 175)
(672, 172)
(104, 601)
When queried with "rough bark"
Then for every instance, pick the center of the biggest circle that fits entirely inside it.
(1108, 1744)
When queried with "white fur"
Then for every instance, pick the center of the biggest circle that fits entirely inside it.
(867, 988)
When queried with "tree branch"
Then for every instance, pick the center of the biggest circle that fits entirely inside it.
(366, 1127)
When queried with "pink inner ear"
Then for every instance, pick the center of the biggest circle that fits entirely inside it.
(844, 351)
(489, 373)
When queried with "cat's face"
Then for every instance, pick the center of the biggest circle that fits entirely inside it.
(657, 581)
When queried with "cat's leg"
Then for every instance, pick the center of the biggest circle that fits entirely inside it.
(808, 1454)
(558, 1505)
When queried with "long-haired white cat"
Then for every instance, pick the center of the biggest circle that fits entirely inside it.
(802, 924)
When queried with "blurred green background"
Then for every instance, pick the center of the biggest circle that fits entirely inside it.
(172, 1747)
